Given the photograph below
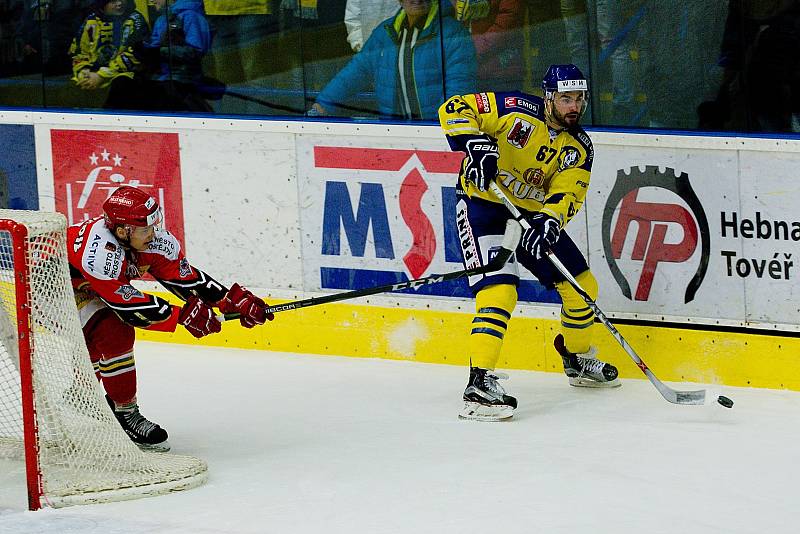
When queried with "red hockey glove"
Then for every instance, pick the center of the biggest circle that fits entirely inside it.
(199, 318)
(251, 309)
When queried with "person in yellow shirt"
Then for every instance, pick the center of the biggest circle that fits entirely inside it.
(243, 29)
(537, 153)
(103, 52)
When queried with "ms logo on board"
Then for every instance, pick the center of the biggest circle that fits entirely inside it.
(388, 216)
(649, 221)
(397, 201)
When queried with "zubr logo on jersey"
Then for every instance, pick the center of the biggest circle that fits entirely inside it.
(650, 221)
(388, 216)
(89, 165)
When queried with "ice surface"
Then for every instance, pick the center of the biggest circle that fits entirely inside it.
(311, 444)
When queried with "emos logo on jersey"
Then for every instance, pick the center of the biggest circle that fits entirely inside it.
(518, 102)
(89, 165)
(650, 220)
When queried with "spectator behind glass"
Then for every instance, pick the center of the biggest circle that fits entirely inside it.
(361, 17)
(181, 37)
(496, 28)
(679, 39)
(409, 59)
(614, 47)
(102, 52)
(760, 89)
(322, 50)
(245, 42)
(47, 29)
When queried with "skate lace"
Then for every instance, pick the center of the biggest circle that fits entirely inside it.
(139, 423)
(490, 381)
(591, 365)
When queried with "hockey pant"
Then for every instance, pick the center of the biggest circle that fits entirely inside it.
(110, 344)
(481, 225)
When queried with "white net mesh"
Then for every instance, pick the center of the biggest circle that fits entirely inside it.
(84, 455)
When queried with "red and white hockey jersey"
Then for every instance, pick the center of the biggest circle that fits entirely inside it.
(101, 266)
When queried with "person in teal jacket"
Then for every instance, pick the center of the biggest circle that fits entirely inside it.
(414, 61)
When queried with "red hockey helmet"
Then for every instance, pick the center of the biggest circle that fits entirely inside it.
(131, 206)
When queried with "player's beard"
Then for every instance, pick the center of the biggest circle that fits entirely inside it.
(567, 120)
(557, 120)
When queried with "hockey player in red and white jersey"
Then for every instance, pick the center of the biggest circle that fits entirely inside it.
(108, 252)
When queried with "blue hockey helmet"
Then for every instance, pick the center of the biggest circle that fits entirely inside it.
(563, 78)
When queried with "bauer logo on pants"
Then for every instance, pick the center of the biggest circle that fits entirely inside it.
(649, 221)
(89, 165)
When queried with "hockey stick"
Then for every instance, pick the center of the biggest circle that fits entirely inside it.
(507, 248)
(671, 395)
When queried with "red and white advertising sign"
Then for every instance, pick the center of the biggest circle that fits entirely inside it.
(88, 165)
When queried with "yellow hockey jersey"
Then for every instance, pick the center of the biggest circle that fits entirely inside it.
(541, 169)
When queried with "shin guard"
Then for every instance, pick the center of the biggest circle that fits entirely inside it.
(494, 305)
(577, 319)
(110, 344)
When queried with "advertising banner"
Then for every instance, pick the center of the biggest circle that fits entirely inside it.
(18, 187)
(696, 233)
(88, 165)
(384, 212)
(760, 238)
(675, 228)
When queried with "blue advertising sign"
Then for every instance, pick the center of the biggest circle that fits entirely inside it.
(18, 187)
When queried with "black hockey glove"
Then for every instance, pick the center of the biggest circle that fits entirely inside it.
(481, 160)
(541, 236)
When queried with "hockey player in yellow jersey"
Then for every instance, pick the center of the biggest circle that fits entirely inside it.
(536, 151)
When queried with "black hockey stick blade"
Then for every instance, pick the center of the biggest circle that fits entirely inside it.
(671, 395)
(497, 262)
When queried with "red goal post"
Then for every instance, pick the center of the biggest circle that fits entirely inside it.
(53, 415)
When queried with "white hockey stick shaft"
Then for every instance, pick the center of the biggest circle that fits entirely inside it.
(671, 395)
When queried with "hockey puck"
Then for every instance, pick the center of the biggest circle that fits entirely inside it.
(725, 401)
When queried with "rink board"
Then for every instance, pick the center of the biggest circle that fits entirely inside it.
(424, 335)
(678, 230)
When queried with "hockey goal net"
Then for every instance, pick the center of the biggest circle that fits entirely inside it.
(53, 413)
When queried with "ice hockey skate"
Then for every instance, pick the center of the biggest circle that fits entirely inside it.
(143, 432)
(584, 369)
(485, 399)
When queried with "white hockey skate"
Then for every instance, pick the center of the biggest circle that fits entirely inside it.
(584, 369)
(485, 399)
